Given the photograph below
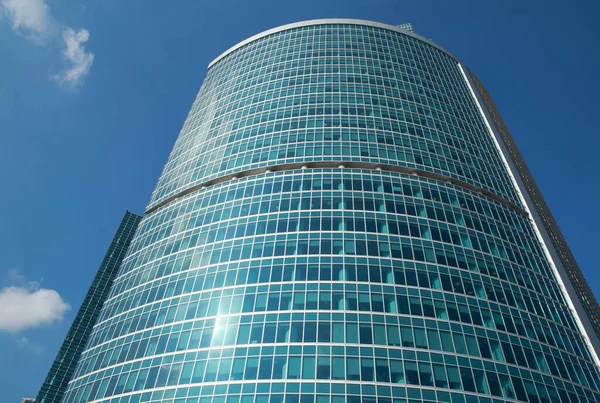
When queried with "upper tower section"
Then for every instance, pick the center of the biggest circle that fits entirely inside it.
(334, 91)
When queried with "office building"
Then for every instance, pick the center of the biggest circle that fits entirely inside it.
(344, 218)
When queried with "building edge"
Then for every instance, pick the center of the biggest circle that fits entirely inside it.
(576, 290)
(61, 371)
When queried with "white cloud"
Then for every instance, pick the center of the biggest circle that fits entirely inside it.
(25, 305)
(33, 19)
(22, 309)
(29, 17)
(75, 53)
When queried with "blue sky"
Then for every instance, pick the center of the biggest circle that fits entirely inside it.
(93, 94)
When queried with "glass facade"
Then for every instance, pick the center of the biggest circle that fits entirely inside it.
(60, 373)
(336, 223)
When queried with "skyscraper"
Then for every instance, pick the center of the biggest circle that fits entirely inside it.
(60, 373)
(344, 218)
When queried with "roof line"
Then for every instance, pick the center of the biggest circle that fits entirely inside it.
(324, 22)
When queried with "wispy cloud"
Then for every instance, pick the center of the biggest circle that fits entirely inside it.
(15, 277)
(33, 19)
(29, 345)
(75, 54)
(24, 305)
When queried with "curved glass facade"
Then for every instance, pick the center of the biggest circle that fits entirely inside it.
(254, 279)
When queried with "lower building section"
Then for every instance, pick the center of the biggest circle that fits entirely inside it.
(60, 373)
(335, 285)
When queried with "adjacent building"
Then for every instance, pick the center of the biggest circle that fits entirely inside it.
(343, 218)
(60, 373)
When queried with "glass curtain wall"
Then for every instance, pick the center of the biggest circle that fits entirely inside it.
(335, 224)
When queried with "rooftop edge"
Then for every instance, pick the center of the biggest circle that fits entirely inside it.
(400, 29)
